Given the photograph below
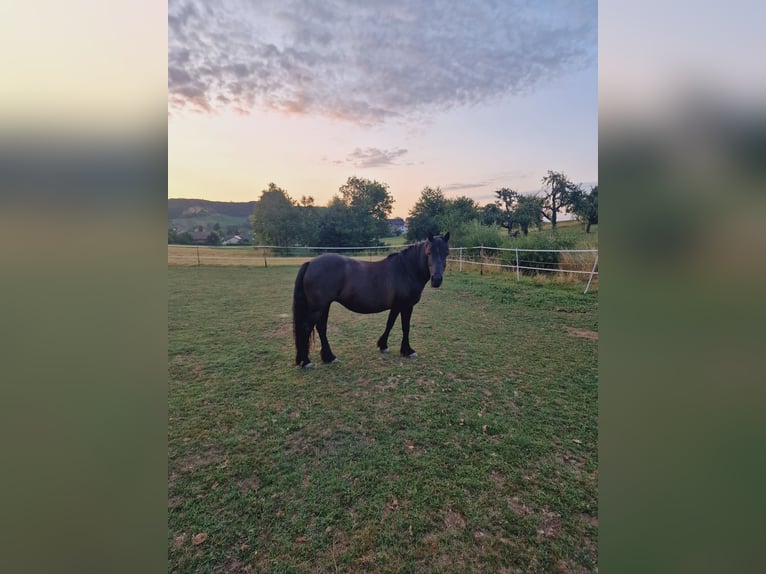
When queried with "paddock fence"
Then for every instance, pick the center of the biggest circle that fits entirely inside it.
(571, 264)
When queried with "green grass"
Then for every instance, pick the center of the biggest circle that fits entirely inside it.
(479, 455)
(394, 241)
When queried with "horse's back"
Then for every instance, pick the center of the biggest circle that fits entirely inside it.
(328, 266)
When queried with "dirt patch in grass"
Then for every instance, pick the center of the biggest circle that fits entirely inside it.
(198, 460)
(189, 362)
(391, 507)
(550, 524)
(518, 507)
(412, 449)
(454, 521)
(584, 333)
(284, 330)
(179, 540)
(248, 484)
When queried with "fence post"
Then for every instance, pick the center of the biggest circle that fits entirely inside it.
(481, 260)
(517, 264)
(592, 271)
(197, 255)
(461, 259)
(263, 251)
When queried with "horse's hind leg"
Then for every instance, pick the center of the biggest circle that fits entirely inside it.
(302, 343)
(383, 341)
(326, 352)
(303, 339)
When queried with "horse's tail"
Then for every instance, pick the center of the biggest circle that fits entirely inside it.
(301, 334)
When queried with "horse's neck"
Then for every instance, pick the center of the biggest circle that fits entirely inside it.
(420, 263)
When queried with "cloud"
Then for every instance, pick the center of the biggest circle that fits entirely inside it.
(471, 185)
(374, 157)
(370, 62)
(497, 181)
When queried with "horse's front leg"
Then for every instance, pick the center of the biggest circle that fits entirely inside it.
(383, 341)
(406, 350)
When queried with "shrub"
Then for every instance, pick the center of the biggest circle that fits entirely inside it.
(474, 234)
(538, 259)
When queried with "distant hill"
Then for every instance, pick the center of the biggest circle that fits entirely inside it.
(178, 208)
(188, 214)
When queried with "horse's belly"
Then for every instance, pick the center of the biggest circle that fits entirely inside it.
(361, 306)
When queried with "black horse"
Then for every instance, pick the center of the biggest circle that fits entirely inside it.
(394, 283)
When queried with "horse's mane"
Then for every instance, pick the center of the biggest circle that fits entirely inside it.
(404, 252)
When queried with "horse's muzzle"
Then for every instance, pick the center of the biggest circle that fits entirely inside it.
(436, 281)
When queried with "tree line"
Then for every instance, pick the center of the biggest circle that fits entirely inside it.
(357, 215)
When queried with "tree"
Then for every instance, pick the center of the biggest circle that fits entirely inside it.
(308, 221)
(335, 225)
(585, 207)
(518, 211)
(459, 211)
(183, 238)
(426, 215)
(529, 211)
(275, 217)
(491, 214)
(506, 198)
(560, 195)
(370, 203)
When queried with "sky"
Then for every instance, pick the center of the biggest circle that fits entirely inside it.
(466, 96)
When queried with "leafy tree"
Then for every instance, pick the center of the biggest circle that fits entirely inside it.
(275, 218)
(176, 238)
(309, 217)
(335, 225)
(518, 211)
(459, 211)
(560, 195)
(585, 207)
(460, 214)
(426, 215)
(491, 214)
(505, 204)
(213, 238)
(528, 212)
(370, 203)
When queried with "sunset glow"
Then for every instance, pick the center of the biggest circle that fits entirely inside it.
(407, 94)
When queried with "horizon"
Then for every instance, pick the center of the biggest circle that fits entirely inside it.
(561, 215)
(470, 101)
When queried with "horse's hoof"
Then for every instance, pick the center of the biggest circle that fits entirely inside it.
(333, 361)
(308, 366)
(384, 350)
(412, 356)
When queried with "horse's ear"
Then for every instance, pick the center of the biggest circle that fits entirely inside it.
(430, 236)
(446, 236)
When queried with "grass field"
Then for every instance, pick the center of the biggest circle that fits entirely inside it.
(480, 455)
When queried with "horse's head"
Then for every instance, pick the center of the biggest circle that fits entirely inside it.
(437, 251)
